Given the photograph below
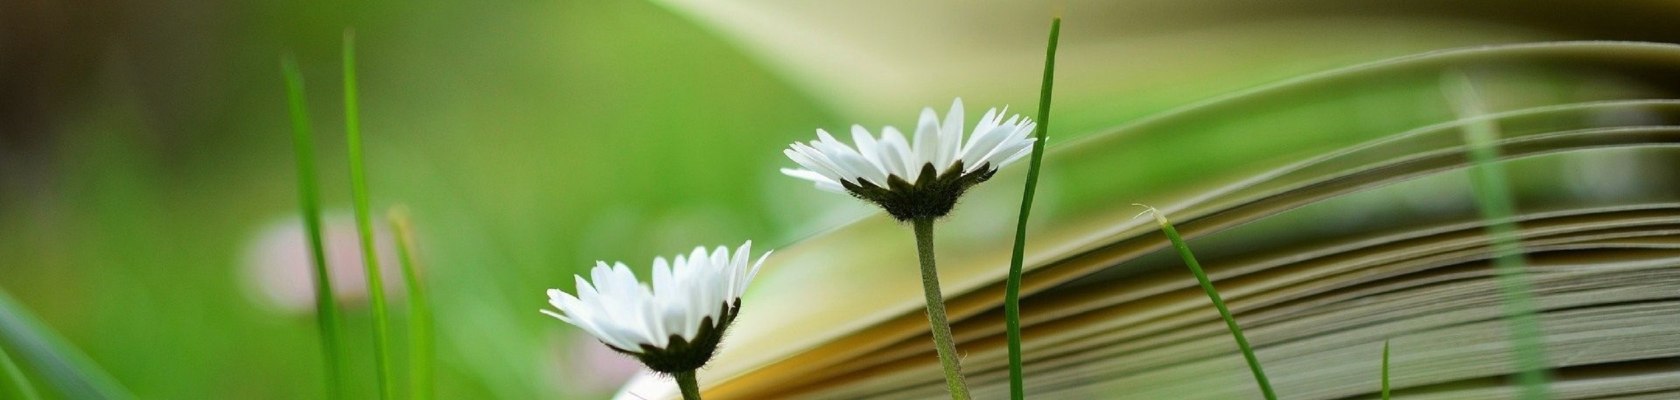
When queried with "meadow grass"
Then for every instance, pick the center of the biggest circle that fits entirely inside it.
(63, 368)
(1385, 371)
(421, 335)
(1493, 198)
(309, 204)
(13, 385)
(1012, 291)
(1218, 303)
(364, 223)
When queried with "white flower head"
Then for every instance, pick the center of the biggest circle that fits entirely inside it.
(674, 325)
(916, 179)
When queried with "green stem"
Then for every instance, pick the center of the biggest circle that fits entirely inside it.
(1385, 371)
(689, 384)
(1493, 198)
(1218, 303)
(364, 223)
(1012, 291)
(326, 303)
(420, 337)
(13, 385)
(943, 343)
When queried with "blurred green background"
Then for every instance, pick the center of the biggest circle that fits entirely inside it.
(145, 162)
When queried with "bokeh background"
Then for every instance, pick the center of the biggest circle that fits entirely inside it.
(148, 199)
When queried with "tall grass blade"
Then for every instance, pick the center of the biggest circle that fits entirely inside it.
(309, 200)
(58, 365)
(421, 334)
(364, 223)
(1385, 371)
(1012, 293)
(13, 385)
(1493, 197)
(1218, 303)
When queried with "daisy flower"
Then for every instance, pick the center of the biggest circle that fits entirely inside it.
(675, 325)
(919, 179)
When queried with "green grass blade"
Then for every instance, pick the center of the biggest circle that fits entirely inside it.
(57, 364)
(13, 385)
(1012, 292)
(420, 330)
(1218, 303)
(326, 302)
(1385, 371)
(364, 222)
(1493, 197)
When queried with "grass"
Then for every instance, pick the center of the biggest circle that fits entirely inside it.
(1385, 371)
(364, 223)
(13, 385)
(326, 303)
(421, 336)
(67, 371)
(1012, 291)
(1218, 303)
(1493, 198)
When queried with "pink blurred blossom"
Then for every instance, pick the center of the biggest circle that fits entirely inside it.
(279, 270)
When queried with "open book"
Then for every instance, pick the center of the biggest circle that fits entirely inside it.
(1350, 223)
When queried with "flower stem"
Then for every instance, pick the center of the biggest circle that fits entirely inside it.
(689, 384)
(1012, 289)
(943, 343)
(1218, 303)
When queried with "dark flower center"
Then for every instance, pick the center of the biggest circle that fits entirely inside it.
(933, 194)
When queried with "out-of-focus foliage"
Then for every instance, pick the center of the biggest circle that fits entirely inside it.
(144, 154)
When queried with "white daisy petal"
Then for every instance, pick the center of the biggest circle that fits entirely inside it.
(1016, 156)
(866, 145)
(950, 134)
(822, 181)
(895, 152)
(623, 312)
(984, 143)
(996, 139)
(926, 146)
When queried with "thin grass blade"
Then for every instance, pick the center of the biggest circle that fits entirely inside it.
(364, 222)
(1012, 293)
(1218, 303)
(421, 334)
(1493, 197)
(309, 201)
(1385, 371)
(60, 367)
(13, 384)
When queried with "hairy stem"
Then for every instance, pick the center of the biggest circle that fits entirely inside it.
(943, 343)
(689, 384)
